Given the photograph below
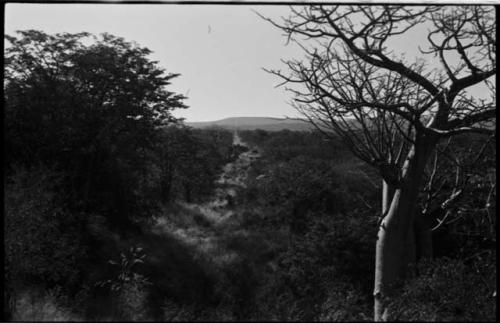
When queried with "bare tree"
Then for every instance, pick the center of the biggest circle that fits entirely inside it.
(392, 112)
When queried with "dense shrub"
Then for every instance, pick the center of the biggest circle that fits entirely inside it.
(294, 191)
(285, 144)
(324, 274)
(345, 302)
(450, 290)
(44, 242)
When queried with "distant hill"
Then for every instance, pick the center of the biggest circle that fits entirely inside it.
(252, 123)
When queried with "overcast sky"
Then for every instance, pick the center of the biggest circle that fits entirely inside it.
(219, 50)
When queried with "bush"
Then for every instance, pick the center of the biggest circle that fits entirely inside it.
(449, 290)
(324, 274)
(345, 302)
(294, 191)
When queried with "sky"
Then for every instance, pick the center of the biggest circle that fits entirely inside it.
(219, 50)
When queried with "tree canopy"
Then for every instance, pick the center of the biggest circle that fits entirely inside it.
(354, 83)
(92, 105)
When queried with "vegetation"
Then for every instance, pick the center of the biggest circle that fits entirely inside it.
(392, 111)
(91, 149)
(116, 210)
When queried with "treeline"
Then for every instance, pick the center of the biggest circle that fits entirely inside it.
(286, 144)
(91, 149)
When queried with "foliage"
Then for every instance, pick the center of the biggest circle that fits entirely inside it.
(129, 286)
(323, 271)
(304, 185)
(345, 302)
(124, 272)
(450, 290)
(189, 161)
(285, 144)
(44, 242)
(90, 105)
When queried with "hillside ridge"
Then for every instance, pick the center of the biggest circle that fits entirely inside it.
(252, 123)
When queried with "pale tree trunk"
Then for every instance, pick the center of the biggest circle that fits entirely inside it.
(392, 241)
(387, 194)
(395, 247)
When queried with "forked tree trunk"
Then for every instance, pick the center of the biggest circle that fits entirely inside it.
(395, 247)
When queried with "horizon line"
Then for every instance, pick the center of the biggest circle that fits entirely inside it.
(245, 117)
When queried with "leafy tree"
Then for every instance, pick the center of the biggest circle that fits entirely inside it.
(392, 112)
(90, 105)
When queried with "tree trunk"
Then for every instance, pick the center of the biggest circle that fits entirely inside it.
(395, 247)
(392, 241)
(387, 194)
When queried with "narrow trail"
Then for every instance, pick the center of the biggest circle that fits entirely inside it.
(214, 218)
